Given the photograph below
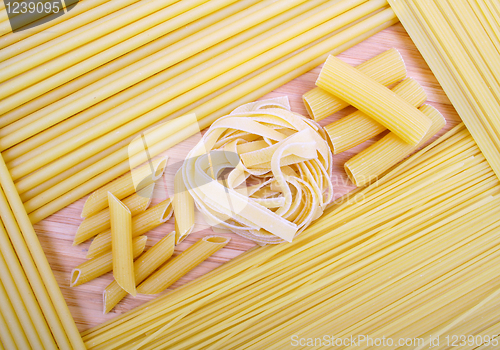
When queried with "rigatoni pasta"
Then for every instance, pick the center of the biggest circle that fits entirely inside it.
(372, 162)
(386, 68)
(182, 264)
(122, 246)
(373, 99)
(144, 266)
(141, 223)
(102, 264)
(357, 127)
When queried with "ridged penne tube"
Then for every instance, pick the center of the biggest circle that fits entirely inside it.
(182, 264)
(144, 266)
(373, 161)
(92, 225)
(373, 99)
(124, 186)
(102, 264)
(386, 68)
(357, 127)
(183, 205)
(121, 242)
(141, 223)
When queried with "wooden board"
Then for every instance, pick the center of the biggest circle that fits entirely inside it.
(57, 231)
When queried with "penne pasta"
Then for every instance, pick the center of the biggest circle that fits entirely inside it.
(144, 266)
(386, 68)
(183, 206)
(174, 269)
(122, 246)
(357, 127)
(124, 186)
(93, 225)
(252, 87)
(373, 99)
(372, 162)
(141, 223)
(102, 264)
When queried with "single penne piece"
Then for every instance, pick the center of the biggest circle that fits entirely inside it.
(357, 127)
(144, 266)
(93, 225)
(102, 264)
(174, 269)
(141, 223)
(124, 186)
(373, 99)
(387, 68)
(183, 205)
(121, 243)
(372, 162)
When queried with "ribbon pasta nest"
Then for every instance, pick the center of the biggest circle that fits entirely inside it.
(262, 172)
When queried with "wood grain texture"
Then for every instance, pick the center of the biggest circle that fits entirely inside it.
(57, 231)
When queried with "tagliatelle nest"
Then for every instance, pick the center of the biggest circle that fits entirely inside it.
(262, 172)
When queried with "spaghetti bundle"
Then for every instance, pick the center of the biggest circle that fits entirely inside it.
(460, 42)
(279, 173)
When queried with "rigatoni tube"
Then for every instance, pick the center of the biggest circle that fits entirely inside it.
(386, 68)
(357, 127)
(372, 162)
(373, 99)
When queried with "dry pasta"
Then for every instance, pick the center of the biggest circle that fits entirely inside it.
(183, 206)
(356, 127)
(373, 99)
(102, 264)
(122, 244)
(373, 161)
(386, 68)
(141, 223)
(93, 225)
(174, 269)
(277, 159)
(125, 186)
(144, 266)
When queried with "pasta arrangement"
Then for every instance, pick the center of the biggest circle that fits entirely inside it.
(91, 99)
(279, 177)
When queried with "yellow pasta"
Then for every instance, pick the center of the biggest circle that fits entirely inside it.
(257, 84)
(93, 225)
(6, 340)
(386, 68)
(183, 206)
(122, 246)
(373, 99)
(14, 326)
(182, 264)
(141, 223)
(102, 264)
(373, 161)
(124, 186)
(357, 127)
(296, 167)
(144, 266)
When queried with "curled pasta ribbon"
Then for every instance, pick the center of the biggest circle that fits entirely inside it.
(262, 172)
